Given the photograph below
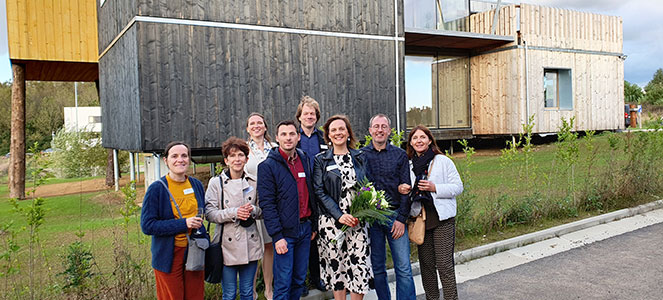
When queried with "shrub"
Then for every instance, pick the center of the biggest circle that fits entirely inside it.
(80, 154)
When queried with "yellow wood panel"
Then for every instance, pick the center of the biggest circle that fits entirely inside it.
(54, 30)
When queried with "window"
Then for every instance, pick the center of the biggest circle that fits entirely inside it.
(437, 14)
(94, 119)
(419, 91)
(557, 89)
(437, 91)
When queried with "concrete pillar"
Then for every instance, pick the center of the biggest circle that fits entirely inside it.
(137, 166)
(17, 146)
(116, 170)
(132, 167)
(157, 166)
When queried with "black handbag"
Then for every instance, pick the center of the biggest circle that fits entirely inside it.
(214, 260)
(214, 254)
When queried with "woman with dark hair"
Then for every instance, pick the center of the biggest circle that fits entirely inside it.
(231, 203)
(437, 184)
(259, 145)
(344, 264)
(171, 210)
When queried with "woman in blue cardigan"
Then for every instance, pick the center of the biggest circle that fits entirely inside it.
(160, 219)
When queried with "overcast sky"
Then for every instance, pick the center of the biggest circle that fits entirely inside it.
(643, 33)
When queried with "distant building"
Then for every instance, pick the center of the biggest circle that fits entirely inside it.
(89, 118)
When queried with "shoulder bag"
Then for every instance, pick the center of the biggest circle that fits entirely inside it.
(195, 257)
(416, 226)
(214, 254)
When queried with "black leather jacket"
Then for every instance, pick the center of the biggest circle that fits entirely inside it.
(327, 180)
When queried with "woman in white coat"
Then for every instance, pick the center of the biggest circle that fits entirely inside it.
(436, 186)
(230, 201)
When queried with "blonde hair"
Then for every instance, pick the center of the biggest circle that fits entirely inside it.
(307, 100)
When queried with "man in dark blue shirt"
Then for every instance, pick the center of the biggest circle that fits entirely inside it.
(311, 142)
(388, 167)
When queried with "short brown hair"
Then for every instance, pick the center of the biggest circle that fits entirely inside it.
(410, 150)
(175, 143)
(234, 143)
(286, 123)
(307, 100)
(353, 141)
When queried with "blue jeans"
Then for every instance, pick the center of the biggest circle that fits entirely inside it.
(246, 273)
(290, 268)
(400, 254)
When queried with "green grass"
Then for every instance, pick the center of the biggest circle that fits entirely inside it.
(503, 204)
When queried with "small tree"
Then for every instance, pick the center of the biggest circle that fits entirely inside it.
(632, 93)
(79, 154)
(654, 89)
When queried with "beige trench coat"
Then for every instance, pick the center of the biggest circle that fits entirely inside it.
(240, 244)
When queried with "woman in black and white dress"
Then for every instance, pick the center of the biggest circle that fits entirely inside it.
(346, 263)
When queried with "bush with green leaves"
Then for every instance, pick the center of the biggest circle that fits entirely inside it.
(80, 154)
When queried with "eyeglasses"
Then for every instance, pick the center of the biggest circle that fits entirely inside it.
(383, 126)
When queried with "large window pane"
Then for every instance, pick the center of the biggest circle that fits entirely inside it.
(550, 88)
(453, 91)
(419, 91)
(437, 14)
(420, 14)
(558, 88)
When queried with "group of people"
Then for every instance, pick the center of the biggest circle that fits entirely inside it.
(286, 203)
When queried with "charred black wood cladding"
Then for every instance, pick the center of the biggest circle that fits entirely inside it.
(120, 95)
(357, 16)
(198, 84)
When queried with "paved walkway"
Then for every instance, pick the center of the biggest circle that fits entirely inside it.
(537, 245)
(626, 266)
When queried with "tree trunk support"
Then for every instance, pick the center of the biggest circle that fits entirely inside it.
(17, 148)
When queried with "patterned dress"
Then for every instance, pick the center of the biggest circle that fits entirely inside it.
(345, 264)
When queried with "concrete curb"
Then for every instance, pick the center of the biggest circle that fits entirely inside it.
(519, 241)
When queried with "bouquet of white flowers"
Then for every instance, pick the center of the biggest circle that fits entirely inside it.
(369, 205)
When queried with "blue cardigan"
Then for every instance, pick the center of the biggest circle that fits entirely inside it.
(157, 219)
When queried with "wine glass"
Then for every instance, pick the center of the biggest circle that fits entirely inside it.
(200, 214)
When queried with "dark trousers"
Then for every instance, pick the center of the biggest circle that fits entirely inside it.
(314, 263)
(290, 267)
(437, 254)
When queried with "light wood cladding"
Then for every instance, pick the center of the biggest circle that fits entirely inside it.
(587, 44)
(452, 90)
(52, 30)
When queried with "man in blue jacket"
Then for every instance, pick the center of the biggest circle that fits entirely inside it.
(288, 205)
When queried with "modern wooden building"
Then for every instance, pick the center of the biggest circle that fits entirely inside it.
(193, 70)
(49, 40)
(558, 64)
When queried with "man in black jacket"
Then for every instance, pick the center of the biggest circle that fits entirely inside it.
(288, 205)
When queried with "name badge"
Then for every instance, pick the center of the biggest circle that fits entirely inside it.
(302, 174)
(248, 189)
(332, 167)
(324, 147)
(188, 191)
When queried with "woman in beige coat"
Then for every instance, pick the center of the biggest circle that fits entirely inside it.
(230, 201)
